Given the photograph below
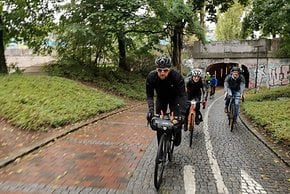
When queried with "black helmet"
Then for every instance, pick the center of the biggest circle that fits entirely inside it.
(236, 69)
(162, 62)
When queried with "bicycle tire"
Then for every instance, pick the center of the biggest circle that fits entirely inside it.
(191, 128)
(160, 161)
(170, 148)
(232, 113)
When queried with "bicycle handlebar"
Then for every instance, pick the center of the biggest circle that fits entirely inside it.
(164, 123)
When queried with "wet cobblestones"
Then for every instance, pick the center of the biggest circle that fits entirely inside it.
(117, 156)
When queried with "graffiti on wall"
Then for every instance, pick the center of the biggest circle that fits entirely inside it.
(275, 75)
(279, 75)
(261, 74)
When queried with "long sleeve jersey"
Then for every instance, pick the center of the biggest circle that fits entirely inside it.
(170, 88)
(234, 84)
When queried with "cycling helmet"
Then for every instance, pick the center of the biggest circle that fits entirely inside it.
(236, 69)
(196, 73)
(163, 62)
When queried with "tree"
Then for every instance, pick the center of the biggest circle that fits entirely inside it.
(271, 18)
(30, 20)
(177, 18)
(229, 24)
(102, 29)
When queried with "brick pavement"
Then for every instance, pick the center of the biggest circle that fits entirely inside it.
(101, 155)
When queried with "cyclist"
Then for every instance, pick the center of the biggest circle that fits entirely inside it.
(170, 91)
(207, 78)
(196, 88)
(213, 83)
(234, 85)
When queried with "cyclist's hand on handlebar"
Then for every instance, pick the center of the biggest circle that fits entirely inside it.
(242, 97)
(149, 116)
(203, 104)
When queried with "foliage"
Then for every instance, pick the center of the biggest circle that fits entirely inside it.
(40, 102)
(109, 78)
(212, 7)
(270, 94)
(229, 24)
(271, 17)
(28, 21)
(95, 34)
(270, 109)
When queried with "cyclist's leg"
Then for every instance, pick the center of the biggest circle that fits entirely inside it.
(237, 96)
(198, 115)
(186, 119)
(227, 100)
(211, 90)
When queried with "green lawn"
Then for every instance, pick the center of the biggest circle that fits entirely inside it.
(40, 102)
(270, 109)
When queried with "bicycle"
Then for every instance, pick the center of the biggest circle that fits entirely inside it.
(231, 113)
(167, 125)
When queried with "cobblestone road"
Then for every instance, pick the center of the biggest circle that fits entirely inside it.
(116, 155)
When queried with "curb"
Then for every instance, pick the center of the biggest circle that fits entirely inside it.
(277, 150)
(22, 152)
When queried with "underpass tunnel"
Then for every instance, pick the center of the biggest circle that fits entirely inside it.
(221, 70)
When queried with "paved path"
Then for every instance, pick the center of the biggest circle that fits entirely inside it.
(116, 155)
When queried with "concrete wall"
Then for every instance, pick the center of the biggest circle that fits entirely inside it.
(24, 58)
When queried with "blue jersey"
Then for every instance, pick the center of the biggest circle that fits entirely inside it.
(213, 81)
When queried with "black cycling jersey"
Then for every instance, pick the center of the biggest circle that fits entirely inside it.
(234, 84)
(169, 90)
(195, 89)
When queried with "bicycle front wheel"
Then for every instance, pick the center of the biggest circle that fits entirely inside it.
(160, 162)
(231, 116)
(170, 148)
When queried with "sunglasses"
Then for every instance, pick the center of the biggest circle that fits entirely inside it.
(165, 70)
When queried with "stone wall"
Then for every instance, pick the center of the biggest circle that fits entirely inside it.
(256, 55)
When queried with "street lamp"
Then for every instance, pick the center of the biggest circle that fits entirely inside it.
(257, 65)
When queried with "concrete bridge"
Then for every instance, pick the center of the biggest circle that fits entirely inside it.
(255, 57)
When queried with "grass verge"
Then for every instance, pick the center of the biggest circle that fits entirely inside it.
(40, 102)
(270, 109)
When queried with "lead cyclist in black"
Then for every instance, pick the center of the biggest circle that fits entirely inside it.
(170, 91)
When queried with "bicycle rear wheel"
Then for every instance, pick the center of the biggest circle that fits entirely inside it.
(160, 161)
(191, 128)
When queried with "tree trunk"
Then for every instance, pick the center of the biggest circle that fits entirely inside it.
(122, 52)
(177, 39)
(3, 66)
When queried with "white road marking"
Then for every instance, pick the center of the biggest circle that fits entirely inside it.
(212, 160)
(248, 184)
(189, 179)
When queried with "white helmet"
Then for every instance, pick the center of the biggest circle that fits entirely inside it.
(196, 73)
